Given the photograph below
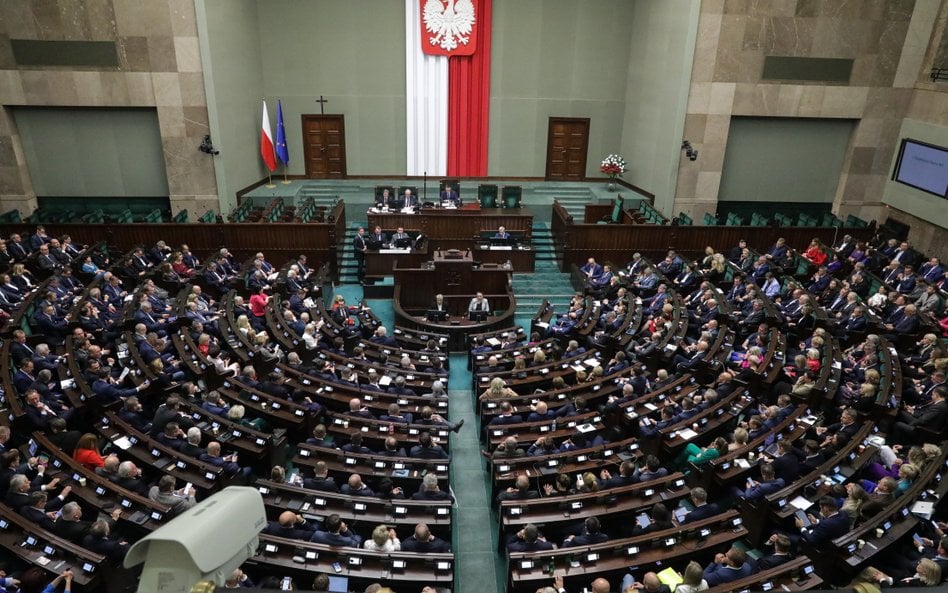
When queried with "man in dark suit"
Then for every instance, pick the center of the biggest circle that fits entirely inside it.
(830, 524)
(728, 567)
(359, 247)
(930, 415)
(408, 199)
(519, 491)
(449, 195)
(703, 509)
(625, 476)
(386, 200)
(781, 555)
(291, 526)
(336, 533)
(430, 490)
(36, 511)
(811, 457)
(423, 541)
(426, 449)
(356, 487)
(70, 525)
(321, 479)
(786, 465)
(227, 463)
(768, 484)
(528, 539)
(589, 535)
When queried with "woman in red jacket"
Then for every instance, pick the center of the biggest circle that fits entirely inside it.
(87, 452)
(815, 253)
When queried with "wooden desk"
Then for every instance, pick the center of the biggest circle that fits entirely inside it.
(454, 276)
(380, 263)
(442, 226)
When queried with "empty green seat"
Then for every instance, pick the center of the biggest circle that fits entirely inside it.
(710, 219)
(684, 219)
(181, 217)
(511, 196)
(208, 217)
(154, 216)
(11, 216)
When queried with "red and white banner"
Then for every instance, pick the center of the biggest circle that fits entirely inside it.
(266, 142)
(448, 86)
(449, 27)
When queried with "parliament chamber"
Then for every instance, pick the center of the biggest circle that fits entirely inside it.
(472, 296)
(684, 405)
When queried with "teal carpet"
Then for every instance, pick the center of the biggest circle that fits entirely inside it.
(478, 565)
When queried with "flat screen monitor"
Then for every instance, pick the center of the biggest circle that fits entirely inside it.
(923, 166)
(436, 315)
(403, 243)
(501, 241)
(477, 315)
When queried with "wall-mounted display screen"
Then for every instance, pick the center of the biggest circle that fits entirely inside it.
(923, 166)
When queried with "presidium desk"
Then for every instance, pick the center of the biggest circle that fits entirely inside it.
(452, 273)
(466, 228)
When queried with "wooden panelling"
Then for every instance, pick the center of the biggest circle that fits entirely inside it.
(279, 241)
(616, 243)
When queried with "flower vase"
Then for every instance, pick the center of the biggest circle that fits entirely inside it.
(612, 183)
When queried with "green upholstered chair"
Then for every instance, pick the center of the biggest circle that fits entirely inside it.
(487, 195)
(511, 196)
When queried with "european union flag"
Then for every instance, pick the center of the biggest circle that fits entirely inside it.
(281, 149)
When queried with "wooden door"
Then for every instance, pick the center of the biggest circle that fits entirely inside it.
(566, 147)
(324, 146)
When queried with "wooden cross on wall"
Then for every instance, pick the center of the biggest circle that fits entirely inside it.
(322, 103)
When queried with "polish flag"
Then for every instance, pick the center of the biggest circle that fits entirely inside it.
(266, 142)
(447, 74)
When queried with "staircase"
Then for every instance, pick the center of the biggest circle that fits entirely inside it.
(572, 198)
(546, 282)
(346, 254)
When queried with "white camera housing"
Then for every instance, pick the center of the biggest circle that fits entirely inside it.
(207, 542)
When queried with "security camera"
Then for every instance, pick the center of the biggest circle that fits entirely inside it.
(206, 542)
(693, 154)
(207, 146)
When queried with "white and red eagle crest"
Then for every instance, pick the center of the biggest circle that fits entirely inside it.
(448, 28)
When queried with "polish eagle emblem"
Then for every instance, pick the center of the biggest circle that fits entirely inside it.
(450, 24)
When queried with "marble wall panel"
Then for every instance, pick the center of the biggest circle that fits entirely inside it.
(872, 32)
(159, 65)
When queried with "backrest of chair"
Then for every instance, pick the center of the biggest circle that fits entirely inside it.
(487, 195)
(454, 183)
(511, 196)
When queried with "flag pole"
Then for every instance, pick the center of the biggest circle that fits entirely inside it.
(285, 180)
(270, 184)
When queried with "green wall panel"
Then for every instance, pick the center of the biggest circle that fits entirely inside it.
(93, 152)
(784, 159)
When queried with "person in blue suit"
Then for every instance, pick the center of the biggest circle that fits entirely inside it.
(501, 233)
(827, 527)
(449, 195)
(728, 567)
(768, 484)
(336, 533)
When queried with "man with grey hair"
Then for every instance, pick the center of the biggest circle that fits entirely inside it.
(429, 489)
(70, 524)
(128, 476)
(437, 391)
(192, 444)
(18, 495)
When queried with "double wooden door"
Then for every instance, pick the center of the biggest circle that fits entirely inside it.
(324, 146)
(566, 146)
